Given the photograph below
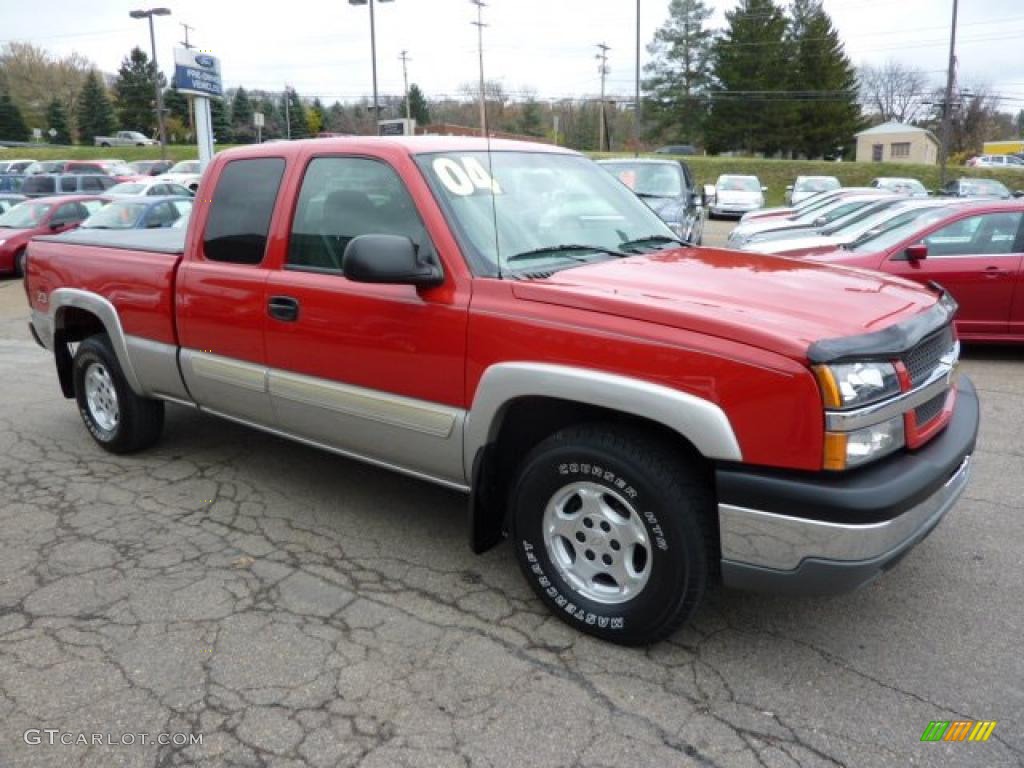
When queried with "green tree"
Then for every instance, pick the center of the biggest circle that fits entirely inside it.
(297, 121)
(1020, 123)
(133, 91)
(273, 127)
(531, 121)
(679, 74)
(418, 108)
(57, 120)
(12, 124)
(823, 81)
(751, 60)
(317, 117)
(178, 117)
(220, 121)
(95, 114)
(241, 117)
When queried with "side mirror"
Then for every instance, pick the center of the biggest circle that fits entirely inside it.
(917, 251)
(55, 225)
(1019, 193)
(764, 189)
(821, 221)
(789, 188)
(388, 259)
(709, 192)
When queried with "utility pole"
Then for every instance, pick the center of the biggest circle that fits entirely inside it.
(404, 56)
(479, 24)
(603, 58)
(637, 109)
(287, 113)
(188, 29)
(947, 105)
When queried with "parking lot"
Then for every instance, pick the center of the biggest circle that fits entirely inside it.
(298, 609)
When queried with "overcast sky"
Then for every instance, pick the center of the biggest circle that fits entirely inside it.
(321, 47)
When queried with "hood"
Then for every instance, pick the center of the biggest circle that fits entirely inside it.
(667, 208)
(737, 196)
(781, 245)
(779, 304)
(21, 234)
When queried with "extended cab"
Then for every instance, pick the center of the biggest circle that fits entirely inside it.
(640, 418)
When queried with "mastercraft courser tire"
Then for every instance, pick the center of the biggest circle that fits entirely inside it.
(611, 529)
(118, 419)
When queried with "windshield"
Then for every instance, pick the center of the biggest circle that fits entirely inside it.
(541, 201)
(115, 216)
(983, 187)
(185, 166)
(126, 189)
(738, 184)
(904, 186)
(831, 211)
(896, 233)
(118, 169)
(649, 179)
(816, 184)
(25, 216)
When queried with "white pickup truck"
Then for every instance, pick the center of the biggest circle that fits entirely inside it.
(125, 139)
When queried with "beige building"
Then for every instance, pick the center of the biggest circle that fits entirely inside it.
(897, 143)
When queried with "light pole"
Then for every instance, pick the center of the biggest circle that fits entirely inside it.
(156, 72)
(373, 55)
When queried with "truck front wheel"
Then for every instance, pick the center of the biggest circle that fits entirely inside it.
(611, 529)
(118, 419)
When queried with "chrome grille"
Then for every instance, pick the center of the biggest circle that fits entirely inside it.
(925, 357)
(929, 410)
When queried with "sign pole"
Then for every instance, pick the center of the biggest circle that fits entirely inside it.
(204, 132)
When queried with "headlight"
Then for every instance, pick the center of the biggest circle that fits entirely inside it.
(844, 450)
(851, 385)
(2, 242)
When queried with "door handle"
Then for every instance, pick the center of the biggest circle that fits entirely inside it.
(283, 308)
(995, 271)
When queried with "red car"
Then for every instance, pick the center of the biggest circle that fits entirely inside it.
(975, 251)
(640, 418)
(42, 216)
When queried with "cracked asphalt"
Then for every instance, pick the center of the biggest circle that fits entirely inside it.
(298, 609)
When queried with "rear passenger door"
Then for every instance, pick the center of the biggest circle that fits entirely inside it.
(220, 295)
(978, 260)
(369, 369)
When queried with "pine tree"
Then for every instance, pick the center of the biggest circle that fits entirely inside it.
(418, 109)
(297, 122)
(316, 117)
(828, 111)
(220, 121)
(750, 60)
(12, 124)
(273, 120)
(133, 90)
(178, 117)
(95, 114)
(531, 122)
(241, 118)
(57, 120)
(679, 73)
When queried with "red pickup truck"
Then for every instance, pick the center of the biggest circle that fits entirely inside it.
(641, 418)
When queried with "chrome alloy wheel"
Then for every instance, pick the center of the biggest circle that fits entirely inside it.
(598, 543)
(101, 397)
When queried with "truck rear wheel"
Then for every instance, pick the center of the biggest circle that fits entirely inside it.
(611, 529)
(118, 419)
(19, 263)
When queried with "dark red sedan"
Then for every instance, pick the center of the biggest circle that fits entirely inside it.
(975, 251)
(42, 216)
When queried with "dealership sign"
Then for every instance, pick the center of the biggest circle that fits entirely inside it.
(197, 73)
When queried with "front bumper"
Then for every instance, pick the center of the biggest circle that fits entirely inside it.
(733, 209)
(821, 533)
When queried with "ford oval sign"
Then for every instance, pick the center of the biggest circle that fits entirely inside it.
(205, 61)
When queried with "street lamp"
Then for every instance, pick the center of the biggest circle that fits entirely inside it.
(373, 53)
(156, 79)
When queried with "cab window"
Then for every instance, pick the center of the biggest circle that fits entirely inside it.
(989, 234)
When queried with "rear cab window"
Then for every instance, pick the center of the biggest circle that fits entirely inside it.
(241, 209)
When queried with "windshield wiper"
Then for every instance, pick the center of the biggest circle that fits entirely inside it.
(650, 240)
(547, 250)
(650, 194)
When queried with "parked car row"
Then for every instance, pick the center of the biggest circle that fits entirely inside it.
(22, 218)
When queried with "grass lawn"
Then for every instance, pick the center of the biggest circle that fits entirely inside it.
(49, 152)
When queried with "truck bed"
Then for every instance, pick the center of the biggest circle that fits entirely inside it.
(134, 270)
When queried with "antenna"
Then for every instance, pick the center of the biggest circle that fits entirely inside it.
(479, 24)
